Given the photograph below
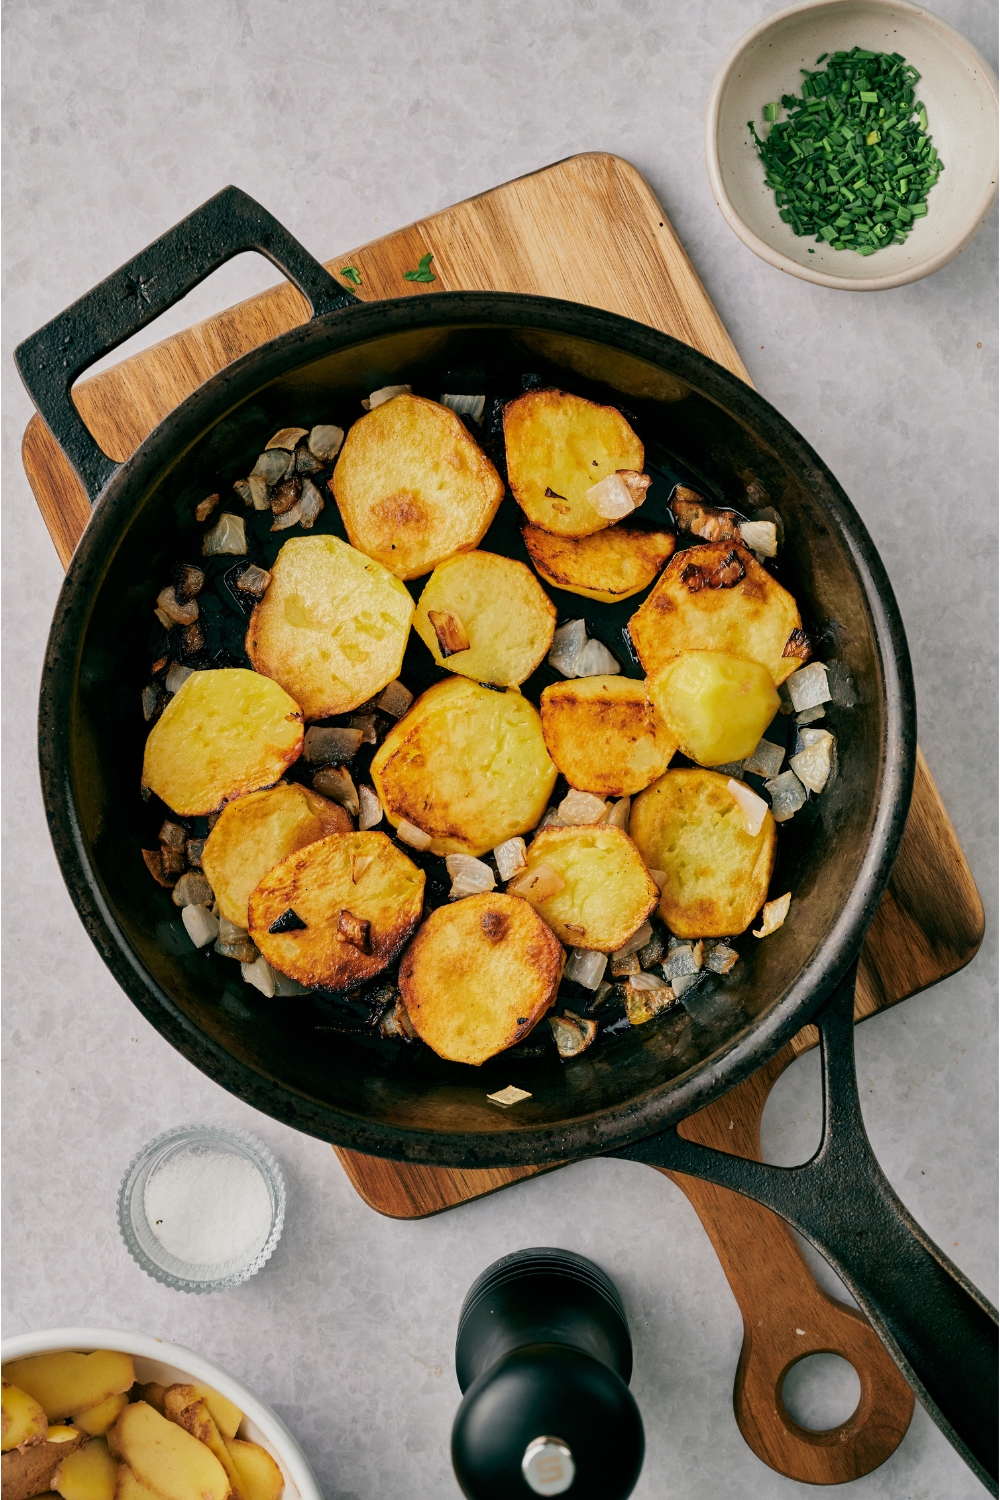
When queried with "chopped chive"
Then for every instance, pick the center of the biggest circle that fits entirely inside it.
(869, 98)
(771, 112)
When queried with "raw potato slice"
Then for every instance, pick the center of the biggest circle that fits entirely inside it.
(478, 976)
(196, 1419)
(558, 446)
(332, 626)
(607, 566)
(467, 765)
(88, 1473)
(23, 1418)
(716, 706)
(223, 733)
(25, 1472)
(717, 598)
(413, 486)
(129, 1488)
(607, 893)
(66, 1383)
(688, 825)
(318, 884)
(604, 735)
(225, 1414)
(255, 833)
(166, 1459)
(508, 617)
(260, 1476)
(99, 1418)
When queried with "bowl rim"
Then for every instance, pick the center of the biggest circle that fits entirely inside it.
(784, 262)
(203, 1370)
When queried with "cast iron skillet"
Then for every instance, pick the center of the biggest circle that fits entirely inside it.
(623, 1100)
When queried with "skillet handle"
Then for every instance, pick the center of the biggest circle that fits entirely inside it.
(51, 360)
(941, 1331)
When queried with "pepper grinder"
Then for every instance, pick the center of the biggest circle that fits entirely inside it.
(543, 1358)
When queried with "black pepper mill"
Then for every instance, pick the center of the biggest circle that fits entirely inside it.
(544, 1357)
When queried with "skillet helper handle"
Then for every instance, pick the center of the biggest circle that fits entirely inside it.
(941, 1331)
(54, 358)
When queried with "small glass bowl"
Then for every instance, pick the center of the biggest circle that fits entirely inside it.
(142, 1244)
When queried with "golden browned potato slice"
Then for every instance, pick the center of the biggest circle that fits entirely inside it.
(717, 598)
(478, 975)
(87, 1473)
(23, 1419)
(332, 627)
(26, 1472)
(608, 565)
(688, 825)
(260, 1477)
(413, 486)
(606, 892)
(166, 1459)
(558, 447)
(716, 706)
(256, 832)
(359, 898)
(65, 1383)
(507, 617)
(605, 735)
(223, 733)
(466, 765)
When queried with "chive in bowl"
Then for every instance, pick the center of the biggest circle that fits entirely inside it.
(956, 85)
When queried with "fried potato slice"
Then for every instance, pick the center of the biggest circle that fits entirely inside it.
(717, 598)
(607, 892)
(413, 486)
(716, 706)
(478, 976)
(165, 1458)
(689, 825)
(605, 735)
(507, 617)
(223, 733)
(332, 627)
(64, 1383)
(558, 447)
(256, 832)
(359, 876)
(607, 565)
(467, 765)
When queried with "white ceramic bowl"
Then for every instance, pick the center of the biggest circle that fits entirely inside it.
(155, 1359)
(957, 86)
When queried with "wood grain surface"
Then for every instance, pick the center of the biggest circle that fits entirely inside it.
(589, 229)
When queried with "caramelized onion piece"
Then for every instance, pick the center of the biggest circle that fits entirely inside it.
(696, 516)
(451, 634)
(541, 883)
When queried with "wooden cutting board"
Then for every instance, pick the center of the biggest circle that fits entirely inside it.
(590, 230)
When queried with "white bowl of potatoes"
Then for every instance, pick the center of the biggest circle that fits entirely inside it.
(99, 1414)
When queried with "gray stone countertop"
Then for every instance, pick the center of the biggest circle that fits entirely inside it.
(348, 121)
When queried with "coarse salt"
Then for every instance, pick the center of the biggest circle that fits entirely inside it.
(208, 1207)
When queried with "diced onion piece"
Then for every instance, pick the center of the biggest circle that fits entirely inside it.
(595, 660)
(199, 924)
(229, 932)
(192, 890)
(310, 504)
(540, 883)
(466, 406)
(762, 536)
(452, 635)
(325, 442)
(508, 1096)
(469, 876)
(177, 677)
(773, 915)
(648, 982)
(611, 498)
(720, 958)
(808, 686)
(753, 809)
(150, 699)
(283, 986)
(227, 536)
(366, 723)
(812, 764)
(659, 876)
(639, 939)
(370, 809)
(254, 581)
(585, 967)
(551, 819)
(288, 437)
(787, 795)
(385, 393)
(580, 807)
(637, 484)
(335, 782)
(260, 975)
(618, 813)
(567, 643)
(683, 982)
(642, 1005)
(205, 507)
(328, 747)
(394, 699)
(359, 864)
(242, 488)
(163, 618)
(260, 492)
(810, 715)
(412, 835)
(573, 1034)
(510, 857)
(181, 612)
(271, 466)
(680, 960)
(288, 518)
(622, 966)
(766, 759)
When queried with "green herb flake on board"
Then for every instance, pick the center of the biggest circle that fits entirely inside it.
(852, 162)
(351, 274)
(423, 271)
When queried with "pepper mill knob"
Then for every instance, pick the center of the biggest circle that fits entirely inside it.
(543, 1357)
